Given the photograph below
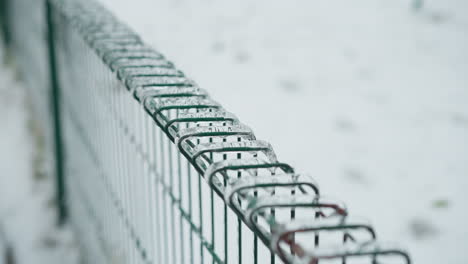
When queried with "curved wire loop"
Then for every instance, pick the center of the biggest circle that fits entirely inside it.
(265, 207)
(348, 226)
(371, 252)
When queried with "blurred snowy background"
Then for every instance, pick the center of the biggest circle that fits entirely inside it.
(28, 230)
(368, 96)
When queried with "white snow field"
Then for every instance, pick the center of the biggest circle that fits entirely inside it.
(27, 214)
(367, 96)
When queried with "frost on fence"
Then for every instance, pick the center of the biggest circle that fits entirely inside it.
(282, 207)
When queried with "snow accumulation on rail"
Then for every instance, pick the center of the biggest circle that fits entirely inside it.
(368, 96)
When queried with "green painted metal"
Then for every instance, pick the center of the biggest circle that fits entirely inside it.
(4, 20)
(417, 4)
(56, 113)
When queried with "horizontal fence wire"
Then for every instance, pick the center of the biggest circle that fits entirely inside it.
(158, 172)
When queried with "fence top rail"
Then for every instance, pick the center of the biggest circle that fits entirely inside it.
(268, 184)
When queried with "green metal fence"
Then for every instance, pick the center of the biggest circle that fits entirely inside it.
(152, 170)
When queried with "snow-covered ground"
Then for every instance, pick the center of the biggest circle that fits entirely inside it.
(366, 95)
(27, 209)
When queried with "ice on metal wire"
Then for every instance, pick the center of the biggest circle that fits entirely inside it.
(252, 146)
(141, 62)
(105, 49)
(221, 132)
(250, 165)
(198, 118)
(156, 105)
(257, 205)
(374, 252)
(352, 230)
(147, 71)
(153, 72)
(118, 55)
(159, 81)
(142, 93)
(199, 152)
(119, 51)
(269, 184)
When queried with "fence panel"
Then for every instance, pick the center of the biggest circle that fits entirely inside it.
(158, 172)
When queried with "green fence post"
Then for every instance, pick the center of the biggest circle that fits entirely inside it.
(4, 22)
(57, 130)
(418, 5)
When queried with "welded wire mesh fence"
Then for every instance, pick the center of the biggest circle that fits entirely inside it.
(158, 172)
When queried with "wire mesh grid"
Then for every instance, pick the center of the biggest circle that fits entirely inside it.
(158, 172)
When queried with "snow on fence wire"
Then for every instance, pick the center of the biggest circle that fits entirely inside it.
(158, 172)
